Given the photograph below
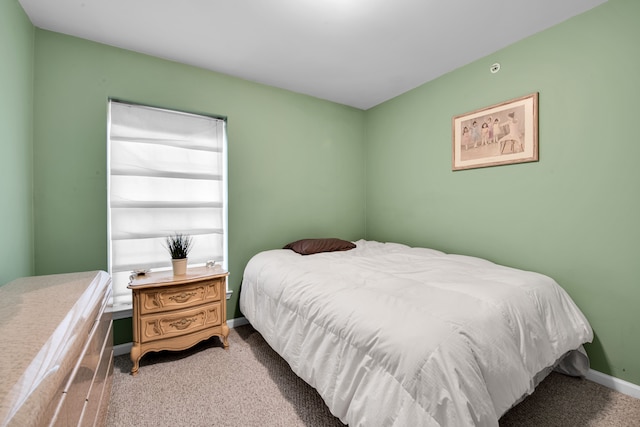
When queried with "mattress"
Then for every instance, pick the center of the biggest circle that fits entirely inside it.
(392, 335)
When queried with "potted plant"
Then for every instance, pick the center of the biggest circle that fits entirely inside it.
(179, 246)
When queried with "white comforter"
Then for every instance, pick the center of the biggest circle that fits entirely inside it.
(391, 335)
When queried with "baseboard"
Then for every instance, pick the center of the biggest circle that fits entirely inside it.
(238, 321)
(120, 349)
(614, 383)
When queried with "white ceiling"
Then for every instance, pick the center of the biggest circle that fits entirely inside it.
(354, 52)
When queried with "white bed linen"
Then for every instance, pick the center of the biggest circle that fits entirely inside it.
(391, 335)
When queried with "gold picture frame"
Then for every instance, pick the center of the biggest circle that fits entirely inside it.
(501, 134)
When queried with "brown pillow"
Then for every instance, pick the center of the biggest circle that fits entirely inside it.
(314, 246)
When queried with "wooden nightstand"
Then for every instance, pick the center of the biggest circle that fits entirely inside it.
(176, 312)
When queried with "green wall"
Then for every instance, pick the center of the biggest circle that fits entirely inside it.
(16, 142)
(574, 214)
(296, 163)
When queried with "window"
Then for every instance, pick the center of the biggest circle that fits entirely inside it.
(166, 175)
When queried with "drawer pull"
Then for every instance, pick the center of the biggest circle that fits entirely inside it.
(183, 297)
(183, 323)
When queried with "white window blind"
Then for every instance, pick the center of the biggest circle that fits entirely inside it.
(167, 175)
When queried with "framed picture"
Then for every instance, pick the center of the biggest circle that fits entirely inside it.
(500, 134)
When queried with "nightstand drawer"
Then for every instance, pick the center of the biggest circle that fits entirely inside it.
(178, 297)
(177, 323)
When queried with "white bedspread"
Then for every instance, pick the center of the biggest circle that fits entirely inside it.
(391, 335)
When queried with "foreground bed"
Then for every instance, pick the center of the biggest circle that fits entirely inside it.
(394, 335)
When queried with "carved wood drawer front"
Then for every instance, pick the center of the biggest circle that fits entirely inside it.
(176, 323)
(177, 297)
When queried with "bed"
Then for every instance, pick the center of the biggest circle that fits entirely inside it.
(392, 335)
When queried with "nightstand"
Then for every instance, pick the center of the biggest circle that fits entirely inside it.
(176, 312)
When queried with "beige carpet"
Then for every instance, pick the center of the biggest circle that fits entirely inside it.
(250, 385)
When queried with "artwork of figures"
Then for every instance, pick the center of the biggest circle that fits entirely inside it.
(500, 134)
